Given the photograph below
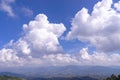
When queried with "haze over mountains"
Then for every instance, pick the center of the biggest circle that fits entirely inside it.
(62, 71)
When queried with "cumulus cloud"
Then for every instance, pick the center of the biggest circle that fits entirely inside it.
(40, 46)
(82, 58)
(101, 28)
(40, 38)
(5, 5)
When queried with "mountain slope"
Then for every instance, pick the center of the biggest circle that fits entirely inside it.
(63, 71)
(10, 78)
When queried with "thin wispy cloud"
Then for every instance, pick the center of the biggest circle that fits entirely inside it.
(27, 12)
(5, 6)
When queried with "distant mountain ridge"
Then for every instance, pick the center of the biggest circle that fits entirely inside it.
(6, 77)
(96, 72)
(14, 76)
(11, 74)
(69, 78)
(66, 71)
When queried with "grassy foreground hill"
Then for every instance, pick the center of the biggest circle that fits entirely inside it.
(4, 77)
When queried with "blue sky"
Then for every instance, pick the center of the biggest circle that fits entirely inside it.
(57, 11)
(60, 32)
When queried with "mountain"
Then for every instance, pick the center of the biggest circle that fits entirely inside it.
(68, 71)
(11, 74)
(97, 72)
(68, 78)
(5, 77)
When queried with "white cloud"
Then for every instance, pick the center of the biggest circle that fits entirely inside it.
(8, 58)
(99, 59)
(39, 45)
(101, 28)
(83, 58)
(7, 55)
(5, 5)
(40, 38)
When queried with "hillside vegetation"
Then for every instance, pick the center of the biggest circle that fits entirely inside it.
(113, 77)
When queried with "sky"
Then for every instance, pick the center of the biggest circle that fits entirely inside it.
(59, 33)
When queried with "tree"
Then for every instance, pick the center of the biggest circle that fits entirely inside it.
(113, 77)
